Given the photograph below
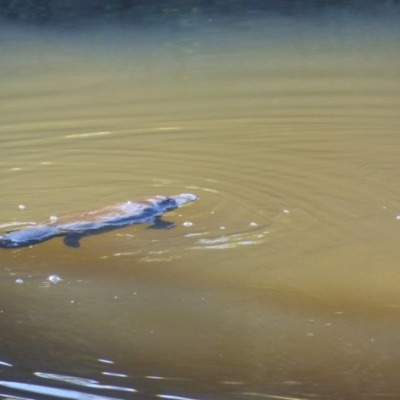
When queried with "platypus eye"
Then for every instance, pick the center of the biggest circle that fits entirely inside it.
(168, 202)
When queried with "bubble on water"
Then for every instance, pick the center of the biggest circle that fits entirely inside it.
(253, 224)
(21, 207)
(54, 278)
(19, 281)
(398, 217)
(187, 223)
(286, 211)
(53, 218)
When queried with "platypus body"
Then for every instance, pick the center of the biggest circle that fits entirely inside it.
(75, 226)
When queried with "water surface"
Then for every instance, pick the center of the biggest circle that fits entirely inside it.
(281, 282)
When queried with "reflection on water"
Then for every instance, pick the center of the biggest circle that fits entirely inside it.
(281, 282)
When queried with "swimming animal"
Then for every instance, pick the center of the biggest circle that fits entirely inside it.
(75, 226)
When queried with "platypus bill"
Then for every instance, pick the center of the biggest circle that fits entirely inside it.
(75, 226)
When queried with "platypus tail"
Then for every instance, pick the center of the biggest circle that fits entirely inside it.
(6, 243)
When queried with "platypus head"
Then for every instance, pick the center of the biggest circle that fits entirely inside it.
(184, 198)
(164, 203)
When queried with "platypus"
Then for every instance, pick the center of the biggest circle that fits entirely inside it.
(75, 226)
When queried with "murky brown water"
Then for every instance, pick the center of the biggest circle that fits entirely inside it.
(286, 283)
